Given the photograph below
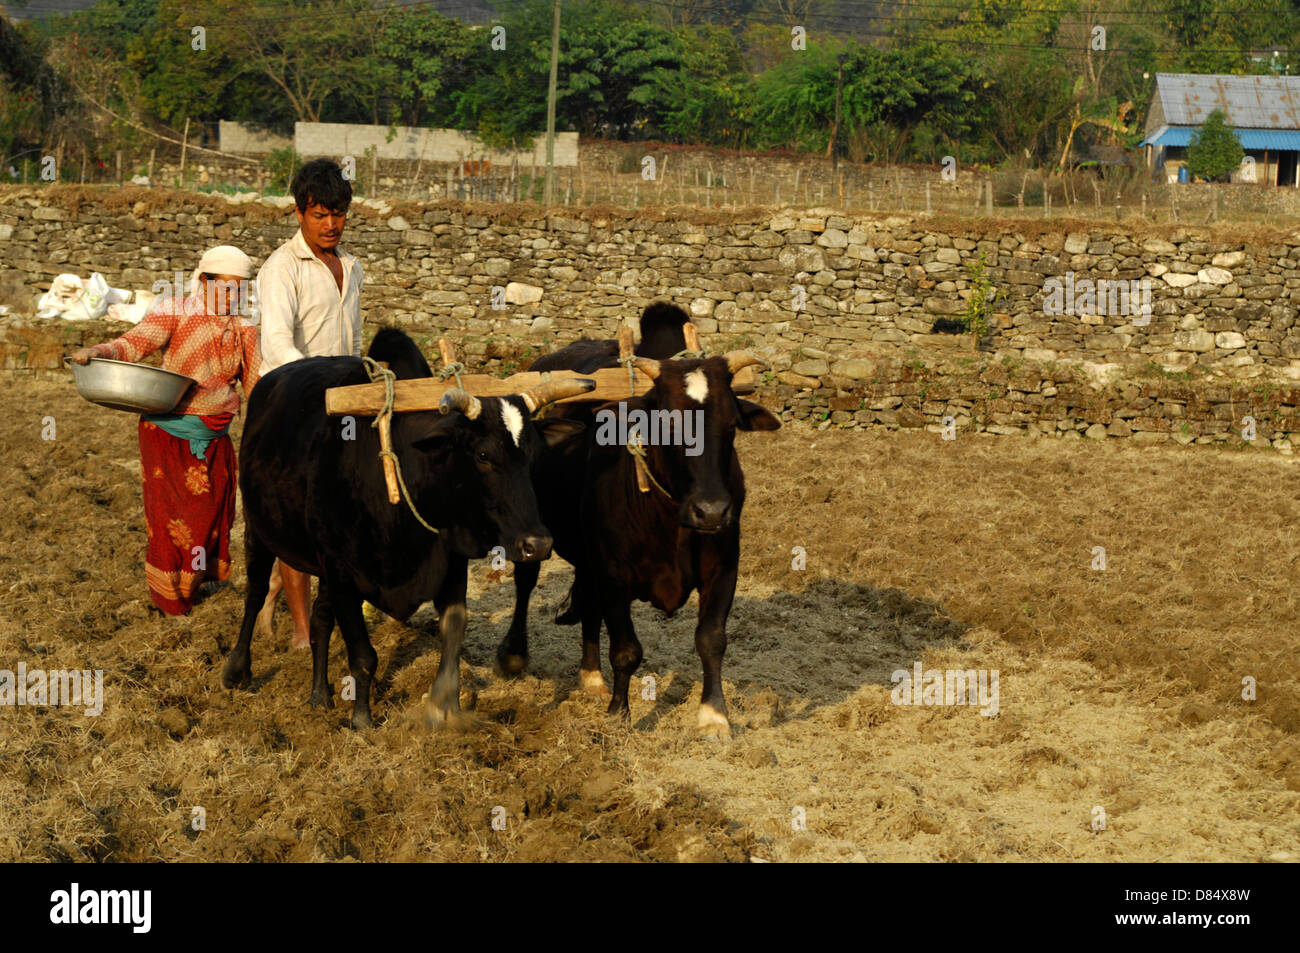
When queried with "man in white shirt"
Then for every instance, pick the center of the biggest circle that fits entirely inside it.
(309, 291)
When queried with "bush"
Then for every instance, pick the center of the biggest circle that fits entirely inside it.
(1215, 150)
(281, 164)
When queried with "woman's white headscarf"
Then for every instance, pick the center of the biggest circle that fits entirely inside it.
(224, 260)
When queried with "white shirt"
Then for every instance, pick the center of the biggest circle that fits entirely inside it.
(303, 313)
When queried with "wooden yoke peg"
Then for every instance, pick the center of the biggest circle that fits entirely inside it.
(386, 447)
(692, 336)
(390, 465)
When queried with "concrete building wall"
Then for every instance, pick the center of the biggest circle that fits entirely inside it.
(431, 145)
(239, 137)
(408, 143)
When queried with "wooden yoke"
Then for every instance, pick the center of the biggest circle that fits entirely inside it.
(612, 383)
(426, 392)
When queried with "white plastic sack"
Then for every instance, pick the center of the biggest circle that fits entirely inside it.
(73, 299)
(64, 296)
(96, 296)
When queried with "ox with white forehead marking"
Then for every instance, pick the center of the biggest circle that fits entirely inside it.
(697, 386)
(513, 420)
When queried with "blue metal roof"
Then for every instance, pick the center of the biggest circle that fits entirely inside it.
(1281, 140)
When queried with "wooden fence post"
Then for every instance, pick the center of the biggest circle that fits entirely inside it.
(185, 144)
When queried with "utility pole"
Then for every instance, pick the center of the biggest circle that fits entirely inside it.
(549, 193)
(835, 136)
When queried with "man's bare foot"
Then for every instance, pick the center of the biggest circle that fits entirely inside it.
(301, 640)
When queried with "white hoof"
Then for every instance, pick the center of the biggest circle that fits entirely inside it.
(593, 683)
(713, 724)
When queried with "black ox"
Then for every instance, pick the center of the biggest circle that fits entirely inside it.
(657, 546)
(318, 501)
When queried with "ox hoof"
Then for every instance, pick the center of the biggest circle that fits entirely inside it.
(441, 719)
(593, 683)
(361, 720)
(511, 663)
(321, 700)
(714, 732)
(618, 711)
(237, 675)
(713, 724)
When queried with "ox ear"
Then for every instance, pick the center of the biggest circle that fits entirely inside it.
(559, 431)
(755, 417)
(431, 429)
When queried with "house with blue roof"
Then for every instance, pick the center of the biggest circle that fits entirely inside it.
(1264, 111)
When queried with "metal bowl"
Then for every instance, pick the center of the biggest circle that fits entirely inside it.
(136, 388)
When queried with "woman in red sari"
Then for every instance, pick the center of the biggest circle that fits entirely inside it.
(187, 458)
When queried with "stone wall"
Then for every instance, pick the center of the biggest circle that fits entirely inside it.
(867, 349)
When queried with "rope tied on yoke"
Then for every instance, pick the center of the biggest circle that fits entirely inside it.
(454, 369)
(377, 372)
(637, 450)
(629, 363)
(643, 475)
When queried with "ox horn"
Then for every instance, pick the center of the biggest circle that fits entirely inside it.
(457, 399)
(647, 366)
(738, 359)
(538, 397)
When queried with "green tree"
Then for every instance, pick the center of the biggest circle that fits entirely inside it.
(609, 57)
(885, 95)
(419, 51)
(308, 54)
(1214, 150)
(709, 98)
(26, 93)
(177, 81)
(1217, 36)
(904, 86)
(794, 101)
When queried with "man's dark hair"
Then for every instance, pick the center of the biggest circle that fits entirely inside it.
(321, 181)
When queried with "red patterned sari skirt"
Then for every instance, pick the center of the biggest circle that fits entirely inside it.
(189, 507)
